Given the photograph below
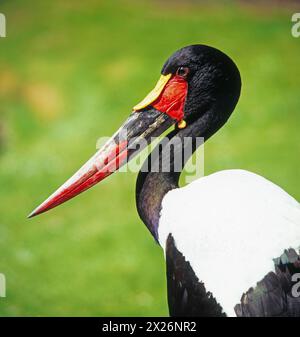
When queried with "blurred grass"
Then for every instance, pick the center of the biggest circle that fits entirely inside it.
(70, 71)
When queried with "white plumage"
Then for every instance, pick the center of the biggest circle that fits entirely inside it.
(229, 226)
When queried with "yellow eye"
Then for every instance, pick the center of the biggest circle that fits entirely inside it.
(183, 71)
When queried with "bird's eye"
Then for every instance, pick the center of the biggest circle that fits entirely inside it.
(183, 71)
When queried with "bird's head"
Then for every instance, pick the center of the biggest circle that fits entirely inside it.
(197, 82)
(212, 78)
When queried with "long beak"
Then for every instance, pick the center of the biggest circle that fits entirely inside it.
(119, 149)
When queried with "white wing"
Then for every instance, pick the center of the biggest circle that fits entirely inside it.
(229, 226)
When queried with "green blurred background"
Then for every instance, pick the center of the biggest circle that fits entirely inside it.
(70, 71)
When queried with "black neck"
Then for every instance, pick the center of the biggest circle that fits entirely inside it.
(154, 182)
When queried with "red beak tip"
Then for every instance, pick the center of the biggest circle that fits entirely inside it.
(32, 214)
(35, 212)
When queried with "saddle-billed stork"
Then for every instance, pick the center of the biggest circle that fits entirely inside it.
(231, 238)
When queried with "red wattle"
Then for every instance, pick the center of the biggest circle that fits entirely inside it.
(172, 98)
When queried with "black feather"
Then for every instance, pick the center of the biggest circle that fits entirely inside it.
(187, 296)
(273, 296)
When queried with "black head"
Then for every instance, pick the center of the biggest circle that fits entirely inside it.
(214, 81)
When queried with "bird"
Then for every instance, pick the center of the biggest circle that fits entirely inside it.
(230, 239)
